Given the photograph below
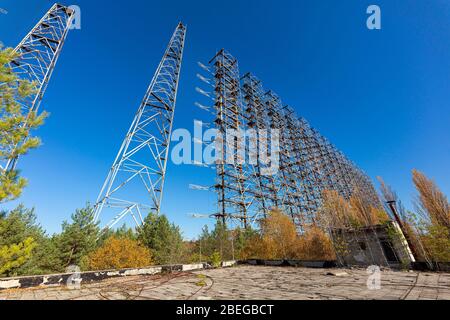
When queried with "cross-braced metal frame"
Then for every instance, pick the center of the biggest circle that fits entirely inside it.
(308, 162)
(263, 187)
(143, 156)
(37, 54)
(231, 168)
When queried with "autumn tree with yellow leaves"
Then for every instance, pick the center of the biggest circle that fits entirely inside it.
(434, 209)
(119, 253)
(16, 255)
(279, 239)
(428, 227)
(339, 213)
(315, 245)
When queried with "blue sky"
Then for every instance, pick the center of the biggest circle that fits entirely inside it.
(383, 97)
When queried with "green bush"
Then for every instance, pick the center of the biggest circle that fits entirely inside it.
(216, 259)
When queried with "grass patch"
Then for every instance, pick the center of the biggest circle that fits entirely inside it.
(201, 283)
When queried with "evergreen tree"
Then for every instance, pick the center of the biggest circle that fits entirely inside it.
(21, 239)
(122, 232)
(45, 258)
(16, 227)
(205, 244)
(125, 232)
(15, 255)
(15, 125)
(227, 243)
(242, 238)
(222, 240)
(78, 238)
(163, 238)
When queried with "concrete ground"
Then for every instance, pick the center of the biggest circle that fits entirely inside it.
(253, 282)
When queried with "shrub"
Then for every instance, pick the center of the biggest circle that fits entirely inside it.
(437, 243)
(279, 240)
(119, 253)
(279, 236)
(216, 259)
(15, 255)
(315, 245)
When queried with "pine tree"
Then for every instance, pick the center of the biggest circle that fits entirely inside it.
(162, 238)
(224, 242)
(15, 255)
(125, 232)
(20, 224)
(221, 237)
(242, 238)
(16, 125)
(78, 238)
(205, 243)
(122, 232)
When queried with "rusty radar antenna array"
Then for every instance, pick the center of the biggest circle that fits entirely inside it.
(308, 162)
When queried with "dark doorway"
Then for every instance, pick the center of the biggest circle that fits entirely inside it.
(389, 251)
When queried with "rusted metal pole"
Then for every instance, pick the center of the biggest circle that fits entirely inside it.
(393, 206)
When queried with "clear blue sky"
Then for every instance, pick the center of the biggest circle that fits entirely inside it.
(383, 97)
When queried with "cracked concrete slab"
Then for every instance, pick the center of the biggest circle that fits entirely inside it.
(252, 283)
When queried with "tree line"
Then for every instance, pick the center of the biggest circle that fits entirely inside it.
(28, 250)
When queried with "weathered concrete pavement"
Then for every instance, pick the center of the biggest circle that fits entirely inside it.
(252, 282)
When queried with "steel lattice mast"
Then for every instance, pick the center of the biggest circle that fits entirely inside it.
(136, 179)
(37, 54)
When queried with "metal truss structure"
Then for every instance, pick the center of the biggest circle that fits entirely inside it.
(263, 187)
(136, 179)
(231, 184)
(308, 162)
(37, 55)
